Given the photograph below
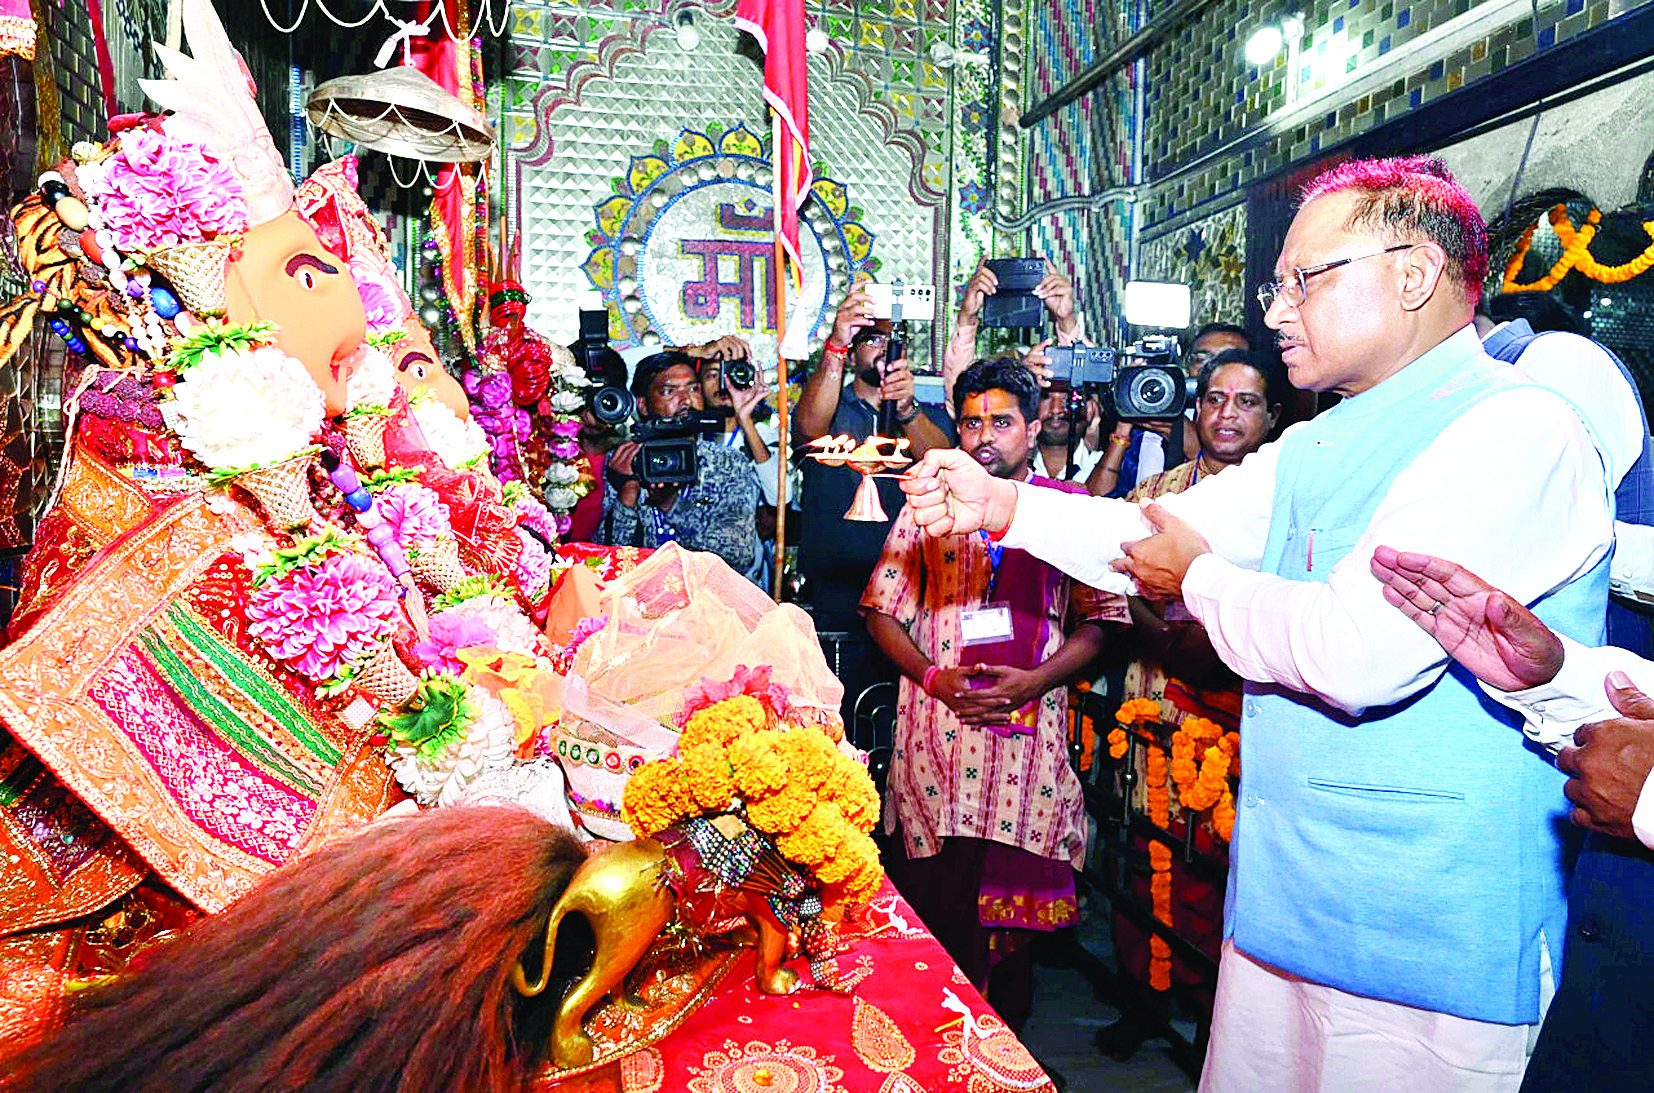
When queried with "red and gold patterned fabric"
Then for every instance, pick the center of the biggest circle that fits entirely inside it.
(151, 752)
(896, 1033)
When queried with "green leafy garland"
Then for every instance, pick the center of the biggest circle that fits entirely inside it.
(471, 587)
(307, 551)
(216, 338)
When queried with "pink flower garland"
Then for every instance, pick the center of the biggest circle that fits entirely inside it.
(158, 191)
(533, 563)
(325, 617)
(452, 631)
(746, 681)
(415, 513)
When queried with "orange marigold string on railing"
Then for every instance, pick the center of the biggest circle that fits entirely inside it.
(1160, 861)
(1199, 784)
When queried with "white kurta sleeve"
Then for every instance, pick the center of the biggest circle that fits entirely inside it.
(1513, 490)
(1578, 695)
(1081, 535)
(1632, 573)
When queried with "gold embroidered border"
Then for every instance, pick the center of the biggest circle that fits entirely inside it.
(45, 677)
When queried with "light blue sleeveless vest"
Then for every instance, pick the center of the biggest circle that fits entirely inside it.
(1412, 853)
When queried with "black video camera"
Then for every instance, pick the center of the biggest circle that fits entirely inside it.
(1153, 389)
(666, 447)
(609, 401)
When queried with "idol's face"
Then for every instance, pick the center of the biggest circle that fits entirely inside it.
(285, 276)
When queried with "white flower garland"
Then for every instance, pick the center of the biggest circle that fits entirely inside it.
(245, 407)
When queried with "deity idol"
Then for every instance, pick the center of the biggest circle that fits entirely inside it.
(271, 596)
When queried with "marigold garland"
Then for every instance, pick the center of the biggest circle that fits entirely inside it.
(1576, 254)
(791, 782)
(1199, 787)
(1160, 860)
(1202, 755)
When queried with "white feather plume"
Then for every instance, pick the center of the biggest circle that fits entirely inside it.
(211, 97)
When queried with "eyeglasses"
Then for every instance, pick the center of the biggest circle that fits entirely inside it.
(1296, 286)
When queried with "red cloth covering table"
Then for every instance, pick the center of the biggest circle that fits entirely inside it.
(893, 1034)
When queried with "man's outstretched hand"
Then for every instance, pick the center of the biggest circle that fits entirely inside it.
(949, 493)
(1482, 628)
(1160, 562)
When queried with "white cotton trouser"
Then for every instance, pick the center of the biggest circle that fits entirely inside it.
(1275, 1033)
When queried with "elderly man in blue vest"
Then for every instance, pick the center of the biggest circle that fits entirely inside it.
(1396, 901)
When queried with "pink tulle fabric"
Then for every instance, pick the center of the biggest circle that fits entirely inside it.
(414, 512)
(451, 631)
(380, 297)
(325, 617)
(159, 191)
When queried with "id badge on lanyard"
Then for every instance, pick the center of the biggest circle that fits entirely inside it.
(991, 622)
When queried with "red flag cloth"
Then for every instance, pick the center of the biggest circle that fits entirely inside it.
(451, 63)
(779, 27)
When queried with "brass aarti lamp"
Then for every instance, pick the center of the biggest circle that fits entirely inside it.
(876, 456)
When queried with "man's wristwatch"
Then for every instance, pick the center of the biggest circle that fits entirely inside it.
(906, 415)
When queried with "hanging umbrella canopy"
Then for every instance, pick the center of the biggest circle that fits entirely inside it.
(403, 112)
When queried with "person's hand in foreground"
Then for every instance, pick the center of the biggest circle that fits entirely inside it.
(1502, 643)
(1610, 761)
(1159, 563)
(949, 493)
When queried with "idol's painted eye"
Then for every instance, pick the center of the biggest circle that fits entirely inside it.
(415, 364)
(303, 268)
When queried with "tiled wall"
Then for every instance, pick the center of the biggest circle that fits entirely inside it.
(1361, 63)
(1215, 124)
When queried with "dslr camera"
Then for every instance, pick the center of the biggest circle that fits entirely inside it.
(1152, 388)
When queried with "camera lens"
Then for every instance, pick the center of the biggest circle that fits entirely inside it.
(611, 405)
(740, 373)
(1151, 391)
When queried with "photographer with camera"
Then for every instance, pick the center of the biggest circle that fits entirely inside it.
(835, 556)
(669, 483)
(734, 387)
(1137, 451)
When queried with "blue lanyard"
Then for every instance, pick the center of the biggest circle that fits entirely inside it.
(996, 554)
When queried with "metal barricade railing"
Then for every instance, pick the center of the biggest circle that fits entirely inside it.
(1113, 859)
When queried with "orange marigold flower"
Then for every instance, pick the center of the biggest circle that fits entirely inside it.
(723, 722)
(653, 799)
(1133, 710)
(711, 778)
(863, 884)
(819, 837)
(759, 769)
(809, 756)
(781, 812)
